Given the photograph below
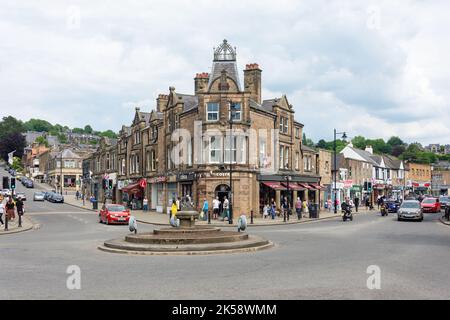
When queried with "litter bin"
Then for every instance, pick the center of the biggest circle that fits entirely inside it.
(94, 204)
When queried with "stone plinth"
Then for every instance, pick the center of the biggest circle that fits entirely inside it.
(187, 218)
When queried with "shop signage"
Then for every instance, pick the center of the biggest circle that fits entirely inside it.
(356, 188)
(158, 179)
(143, 183)
(348, 184)
(186, 176)
(339, 185)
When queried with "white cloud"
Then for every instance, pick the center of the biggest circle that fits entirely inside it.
(374, 68)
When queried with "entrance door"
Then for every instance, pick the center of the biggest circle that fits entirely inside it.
(222, 191)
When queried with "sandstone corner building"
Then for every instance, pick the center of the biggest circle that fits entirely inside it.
(139, 164)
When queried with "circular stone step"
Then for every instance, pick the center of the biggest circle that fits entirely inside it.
(196, 229)
(190, 238)
(253, 243)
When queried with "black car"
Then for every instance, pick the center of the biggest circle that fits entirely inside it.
(29, 184)
(445, 202)
(55, 198)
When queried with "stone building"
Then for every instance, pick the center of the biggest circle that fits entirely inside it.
(418, 177)
(184, 146)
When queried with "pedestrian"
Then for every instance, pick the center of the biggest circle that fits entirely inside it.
(2, 211)
(298, 208)
(216, 207)
(286, 209)
(266, 210)
(356, 202)
(305, 208)
(174, 209)
(19, 206)
(205, 209)
(329, 204)
(273, 207)
(226, 208)
(9, 208)
(178, 204)
(145, 204)
(77, 194)
(378, 201)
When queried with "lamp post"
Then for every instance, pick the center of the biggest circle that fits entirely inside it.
(232, 109)
(344, 136)
(286, 212)
(61, 181)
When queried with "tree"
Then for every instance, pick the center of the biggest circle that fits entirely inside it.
(12, 141)
(10, 125)
(17, 164)
(359, 142)
(307, 142)
(395, 141)
(88, 129)
(62, 138)
(322, 144)
(42, 141)
(398, 150)
(38, 125)
(77, 130)
(109, 134)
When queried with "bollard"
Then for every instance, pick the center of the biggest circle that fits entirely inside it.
(209, 216)
(20, 221)
(6, 222)
(251, 217)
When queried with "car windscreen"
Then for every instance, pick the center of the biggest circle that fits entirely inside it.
(429, 201)
(444, 199)
(410, 205)
(116, 208)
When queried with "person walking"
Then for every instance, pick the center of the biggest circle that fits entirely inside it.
(305, 208)
(19, 206)
(226, 208)
(356, 202)
(178, 204)
(329, 204)
(273, 208)
(145, 204)
(9, 208)
(174, 209)
(205, 209)
(77, 195)
(2, 211)
(285, 209)
(216, 207)
(298, 208)
(266, 210)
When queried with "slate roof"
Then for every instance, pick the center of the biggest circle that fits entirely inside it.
(256, 105)
(306, 148)
(367, 156)
(229, 66)
(190, 101)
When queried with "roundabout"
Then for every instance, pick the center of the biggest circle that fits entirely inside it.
(187, 239)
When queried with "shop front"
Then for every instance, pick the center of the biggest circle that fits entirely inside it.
(157, 193)
(186, 184)
(133, 194)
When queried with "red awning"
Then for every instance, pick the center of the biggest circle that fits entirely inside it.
(306, 186)
(274, 185)
(315, 186)
(132, 188)
(293, 186)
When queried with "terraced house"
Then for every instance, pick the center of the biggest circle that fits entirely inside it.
(184, 146)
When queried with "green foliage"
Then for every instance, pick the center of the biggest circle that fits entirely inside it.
(42, 141)
(109, 134)
(38, 125)
(88, 129)
(17, 164)
(10, 125)
(307, 142)
(395, 141)
(77, 130)
(62, 138)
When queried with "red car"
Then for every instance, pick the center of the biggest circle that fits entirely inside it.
(114, 213)
(431, 205)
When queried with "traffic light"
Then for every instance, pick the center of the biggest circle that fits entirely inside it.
(13, 183)
(110, 185)
(5, 183)
(104, 184)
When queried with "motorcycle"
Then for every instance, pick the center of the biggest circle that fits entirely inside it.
(383, 210)
(347, 213)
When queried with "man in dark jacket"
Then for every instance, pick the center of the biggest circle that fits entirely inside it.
(356, 202)
(19, 206)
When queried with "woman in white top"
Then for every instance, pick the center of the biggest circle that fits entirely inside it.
(2, 210)
(216, 206)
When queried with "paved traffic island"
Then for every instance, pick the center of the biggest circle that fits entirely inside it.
(13, 226)
(187, 239)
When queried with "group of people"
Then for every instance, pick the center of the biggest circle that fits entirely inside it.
(270, 208)
(8, 208)
(221, 209)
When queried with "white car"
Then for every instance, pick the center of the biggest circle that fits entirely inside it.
(6, 192)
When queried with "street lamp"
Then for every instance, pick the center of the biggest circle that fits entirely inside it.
(286, 212)
(344, 136)
(232, 110)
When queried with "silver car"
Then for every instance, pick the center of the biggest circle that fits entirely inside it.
(410, 210)
(38, 196)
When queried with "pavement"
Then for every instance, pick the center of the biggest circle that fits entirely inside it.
(13, 226)
(161, 219)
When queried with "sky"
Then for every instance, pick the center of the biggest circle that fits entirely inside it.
(371, 68)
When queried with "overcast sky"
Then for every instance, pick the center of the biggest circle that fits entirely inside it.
(370, 68)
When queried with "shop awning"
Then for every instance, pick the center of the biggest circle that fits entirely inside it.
(274, 185)
(306, 186)
(293, 186)
(132, 188)
(315, 186)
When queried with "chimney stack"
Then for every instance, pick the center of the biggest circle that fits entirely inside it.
(201, 82)
(252, 81)
(161, 102)
(369, 149)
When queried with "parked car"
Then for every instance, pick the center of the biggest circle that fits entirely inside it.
(29, 184)
(46, 195)
(445, 201)
(392, 206)
(38, 196)
(114, 213)
(20, 195)
(6, 192)
(410, 210)
(431, 205)
(55, 198)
